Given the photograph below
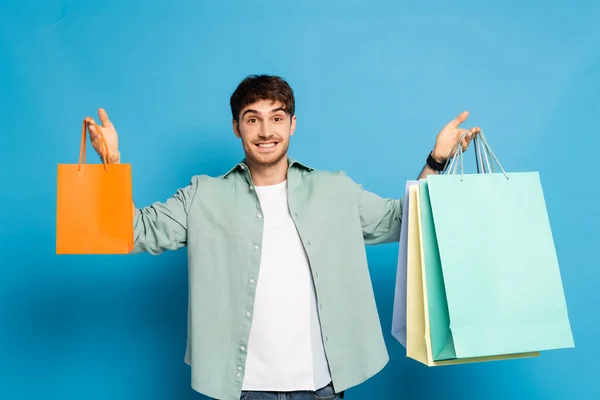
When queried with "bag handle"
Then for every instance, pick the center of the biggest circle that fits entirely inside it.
(83, 143)
(482, 141)
(482, 157)
(483, 152)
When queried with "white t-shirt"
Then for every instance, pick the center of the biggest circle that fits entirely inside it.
(285, 348)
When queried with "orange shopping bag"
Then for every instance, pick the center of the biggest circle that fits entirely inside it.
(94, 212)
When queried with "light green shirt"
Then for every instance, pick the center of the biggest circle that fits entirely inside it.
(220, 221)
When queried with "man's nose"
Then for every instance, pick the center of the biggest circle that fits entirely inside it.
(265, 130)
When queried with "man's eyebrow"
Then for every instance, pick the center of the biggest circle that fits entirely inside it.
(256, 112)
(250, 111)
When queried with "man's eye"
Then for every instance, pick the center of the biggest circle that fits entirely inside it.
(251, 120)
(278, 119)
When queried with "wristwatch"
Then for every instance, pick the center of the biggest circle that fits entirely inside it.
(433, 164)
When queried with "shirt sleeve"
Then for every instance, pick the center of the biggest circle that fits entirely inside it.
(380, 218)
(163, 225)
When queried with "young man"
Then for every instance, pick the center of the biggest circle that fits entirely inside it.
(280, 299)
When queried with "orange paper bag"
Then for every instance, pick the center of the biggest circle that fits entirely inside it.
(94, 212)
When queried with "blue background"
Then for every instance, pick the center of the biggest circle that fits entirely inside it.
(374, 80)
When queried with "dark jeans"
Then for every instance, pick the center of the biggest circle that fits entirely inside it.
(324, 393)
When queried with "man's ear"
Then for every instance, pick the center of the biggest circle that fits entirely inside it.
(293, 126)
(236, 128)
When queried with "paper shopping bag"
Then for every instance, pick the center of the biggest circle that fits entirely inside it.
(439, 320)
(94, 213)
(496, 260)
(500, 270)
(418, 327)
(399, 309)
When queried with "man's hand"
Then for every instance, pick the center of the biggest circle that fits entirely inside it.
(449, 136)
(110, 136)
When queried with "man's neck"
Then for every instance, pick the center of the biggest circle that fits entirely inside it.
(269, 175)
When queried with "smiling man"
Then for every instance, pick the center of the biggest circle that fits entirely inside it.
(280, 299)
(263, 118)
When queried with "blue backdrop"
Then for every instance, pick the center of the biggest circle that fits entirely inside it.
(375, 81)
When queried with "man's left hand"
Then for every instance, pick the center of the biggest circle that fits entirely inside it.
(449, 136)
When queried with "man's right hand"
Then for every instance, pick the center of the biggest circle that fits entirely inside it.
(110, 136)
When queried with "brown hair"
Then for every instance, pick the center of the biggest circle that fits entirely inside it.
(262, 87)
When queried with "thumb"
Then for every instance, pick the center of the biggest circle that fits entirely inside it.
(104, 117)
(459, 120)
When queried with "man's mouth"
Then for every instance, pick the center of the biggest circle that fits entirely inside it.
(266, 145)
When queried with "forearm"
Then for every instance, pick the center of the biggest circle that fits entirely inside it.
(433, 166)
(427, 170)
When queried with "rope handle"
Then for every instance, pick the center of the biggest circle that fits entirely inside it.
(483, 152)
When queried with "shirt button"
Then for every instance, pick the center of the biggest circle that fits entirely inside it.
(243, 167)
(248, 314)
(255, 247)
(238, 374)
(251, 280)
(242, 348)
(259, 215)
(239, 368)
(251, 187)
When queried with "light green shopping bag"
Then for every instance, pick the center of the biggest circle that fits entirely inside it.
(442, 345)
(495, 265)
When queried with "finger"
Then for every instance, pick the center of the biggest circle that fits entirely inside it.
(468, 138)
(462, 133)
(92, 129)
(473, 132)
(104, 117)
(465, 144)
(93, 132)
(464, 137)
(459, 120)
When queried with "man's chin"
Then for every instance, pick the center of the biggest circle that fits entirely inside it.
(266, 160)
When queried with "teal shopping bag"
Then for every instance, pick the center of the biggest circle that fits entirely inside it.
(497, 270)
(442, 345)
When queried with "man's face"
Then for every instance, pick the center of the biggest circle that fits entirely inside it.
(265, 129)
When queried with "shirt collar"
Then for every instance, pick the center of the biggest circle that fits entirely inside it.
(292, 162)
